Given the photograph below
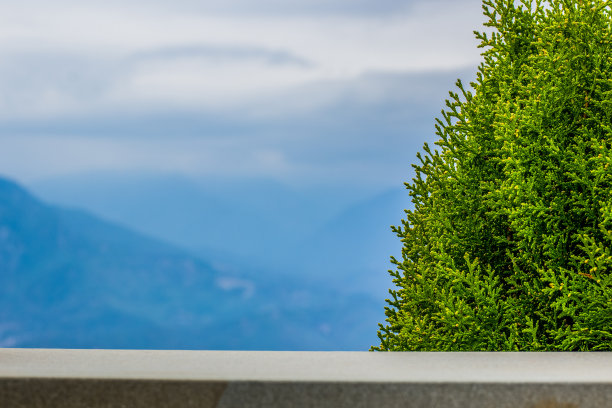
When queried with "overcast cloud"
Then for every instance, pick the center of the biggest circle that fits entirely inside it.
(233, 87)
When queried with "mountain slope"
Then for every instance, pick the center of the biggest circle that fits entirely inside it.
(254, 219)
(354, 247)
(58, 263)
(68, 279)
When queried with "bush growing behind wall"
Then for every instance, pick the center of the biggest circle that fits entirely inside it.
(509, 244)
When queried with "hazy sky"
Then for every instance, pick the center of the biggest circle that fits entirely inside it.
(303, 90)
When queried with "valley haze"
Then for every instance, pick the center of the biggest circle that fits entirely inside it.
(70, 279)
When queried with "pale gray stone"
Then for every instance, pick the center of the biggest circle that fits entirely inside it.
(31, 378)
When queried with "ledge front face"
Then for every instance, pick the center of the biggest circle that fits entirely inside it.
(144, 378)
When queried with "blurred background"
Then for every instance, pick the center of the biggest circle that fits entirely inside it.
(213, 174)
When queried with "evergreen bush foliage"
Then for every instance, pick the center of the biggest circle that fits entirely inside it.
(509, 244)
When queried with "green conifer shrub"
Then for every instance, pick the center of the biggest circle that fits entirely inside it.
(509, 244)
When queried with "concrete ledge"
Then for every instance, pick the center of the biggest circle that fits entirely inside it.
(120, 378)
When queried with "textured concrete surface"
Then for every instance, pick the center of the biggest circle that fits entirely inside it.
(119, 378)
(92, 393)
(396, 395)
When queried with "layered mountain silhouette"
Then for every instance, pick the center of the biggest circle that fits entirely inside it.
(340, 235)
(253, 219)
(69, 279)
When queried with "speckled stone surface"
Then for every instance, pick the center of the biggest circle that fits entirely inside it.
(396, 395)
(120, 378)
(91, 393)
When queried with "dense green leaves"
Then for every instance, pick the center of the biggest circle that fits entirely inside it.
(509, 244)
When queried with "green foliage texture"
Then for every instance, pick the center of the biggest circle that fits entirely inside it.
(509, 244)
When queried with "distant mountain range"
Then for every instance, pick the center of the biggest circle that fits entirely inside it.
(70, 279)
(353, 248)
(340, 236)
(250, 219)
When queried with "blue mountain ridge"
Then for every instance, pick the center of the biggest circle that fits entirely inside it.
(69, 279)
(253, 219)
